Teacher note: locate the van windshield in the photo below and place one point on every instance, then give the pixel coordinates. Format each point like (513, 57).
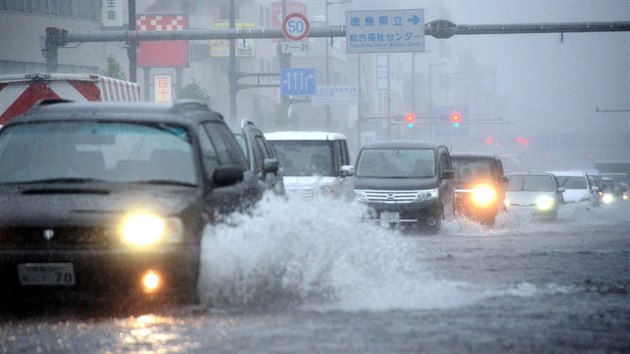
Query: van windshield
(305, 157)
(396, 163)
(106, 151)
(473, 169)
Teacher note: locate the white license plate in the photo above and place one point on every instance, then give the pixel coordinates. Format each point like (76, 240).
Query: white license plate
(46, 274)
(387, 216)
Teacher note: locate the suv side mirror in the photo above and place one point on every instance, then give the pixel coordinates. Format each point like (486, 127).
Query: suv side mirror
(227, 175)
(561, 189)
(270, 166)
(594, 189)
(448, 174)
(347, 170)
(503, 179)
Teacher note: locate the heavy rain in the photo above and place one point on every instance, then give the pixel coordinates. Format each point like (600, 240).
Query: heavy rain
(262, 229)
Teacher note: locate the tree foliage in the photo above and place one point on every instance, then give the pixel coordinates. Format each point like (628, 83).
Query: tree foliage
(194, 91)
(113, 70)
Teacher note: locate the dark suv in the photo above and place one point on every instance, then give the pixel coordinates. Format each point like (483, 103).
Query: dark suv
(261, 156)
(479, 186)
(113, 198)
(405, 182)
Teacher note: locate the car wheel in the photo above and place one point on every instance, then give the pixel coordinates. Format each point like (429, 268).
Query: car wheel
(433, 222)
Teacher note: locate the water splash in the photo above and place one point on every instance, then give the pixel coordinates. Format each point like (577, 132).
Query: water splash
(317, 255)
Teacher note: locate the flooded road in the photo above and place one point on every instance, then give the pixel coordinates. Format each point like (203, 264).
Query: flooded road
(309, 277)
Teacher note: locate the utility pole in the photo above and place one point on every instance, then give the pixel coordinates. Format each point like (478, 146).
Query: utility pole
(132, 48)
(232, 77)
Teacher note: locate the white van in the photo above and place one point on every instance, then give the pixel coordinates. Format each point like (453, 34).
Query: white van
(314, 163)
(577, 186)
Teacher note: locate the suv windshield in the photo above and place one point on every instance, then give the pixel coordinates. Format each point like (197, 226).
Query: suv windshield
(109, 151)
(396, 163)
(305, 158)
(472, 169)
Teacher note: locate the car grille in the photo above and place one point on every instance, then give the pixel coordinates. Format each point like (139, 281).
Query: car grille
(61, 237)
(407, 196)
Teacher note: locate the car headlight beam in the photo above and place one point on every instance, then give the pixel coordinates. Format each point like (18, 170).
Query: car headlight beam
(544, 203)
(484, 195)
(146, 229)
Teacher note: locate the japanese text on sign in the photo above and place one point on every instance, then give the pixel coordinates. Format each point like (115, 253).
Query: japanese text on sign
(385, 31)
(112, 15)
(163, 88)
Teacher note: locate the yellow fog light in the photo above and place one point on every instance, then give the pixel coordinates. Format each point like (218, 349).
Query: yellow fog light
(483, 195)
(144, 229)
(150, 281)
(544, 203)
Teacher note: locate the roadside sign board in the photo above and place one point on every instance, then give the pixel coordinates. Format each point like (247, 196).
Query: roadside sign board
(380, 31)
(336, 95)
(295, 26)
(221, 47)
(297, 82)
(295, 47)
(290, 7)
(162, 89)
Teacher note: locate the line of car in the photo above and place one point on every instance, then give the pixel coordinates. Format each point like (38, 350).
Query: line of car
(116, 197)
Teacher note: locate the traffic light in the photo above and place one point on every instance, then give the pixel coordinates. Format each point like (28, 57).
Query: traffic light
(456, 118)
(522, 141)
(489, 140)
(410, 118)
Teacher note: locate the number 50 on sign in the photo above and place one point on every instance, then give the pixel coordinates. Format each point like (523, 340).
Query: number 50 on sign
(295, 27)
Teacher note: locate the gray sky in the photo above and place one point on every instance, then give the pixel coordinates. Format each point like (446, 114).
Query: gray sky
(549, 83)
(549, 87)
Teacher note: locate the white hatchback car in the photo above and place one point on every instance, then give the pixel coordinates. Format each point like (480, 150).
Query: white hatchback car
(577, 186)
(537, 193)
(314, 163)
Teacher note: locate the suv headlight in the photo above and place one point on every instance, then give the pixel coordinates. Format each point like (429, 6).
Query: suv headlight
(428, 194)
(146, 229)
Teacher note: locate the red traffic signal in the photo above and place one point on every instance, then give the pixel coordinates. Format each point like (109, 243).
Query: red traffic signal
(456, 118)
(410, 118)
(522, 141)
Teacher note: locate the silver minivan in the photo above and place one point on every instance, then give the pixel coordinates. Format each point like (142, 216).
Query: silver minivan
(314, 163)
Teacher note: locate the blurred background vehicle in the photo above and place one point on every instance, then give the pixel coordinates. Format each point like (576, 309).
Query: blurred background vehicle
(260, 154)
(608, 188)
(577, 187)
(539, 194)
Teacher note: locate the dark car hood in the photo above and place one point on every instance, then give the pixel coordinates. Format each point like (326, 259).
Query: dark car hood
(395, 183)
(62, 204)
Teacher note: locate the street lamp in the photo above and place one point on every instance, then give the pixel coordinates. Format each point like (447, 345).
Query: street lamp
(328, 3)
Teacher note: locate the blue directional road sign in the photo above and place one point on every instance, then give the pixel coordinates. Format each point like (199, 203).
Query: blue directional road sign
(297, 82)
(383, 31)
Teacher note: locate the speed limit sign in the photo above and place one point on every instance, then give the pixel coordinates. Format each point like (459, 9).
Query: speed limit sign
(295, 27)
